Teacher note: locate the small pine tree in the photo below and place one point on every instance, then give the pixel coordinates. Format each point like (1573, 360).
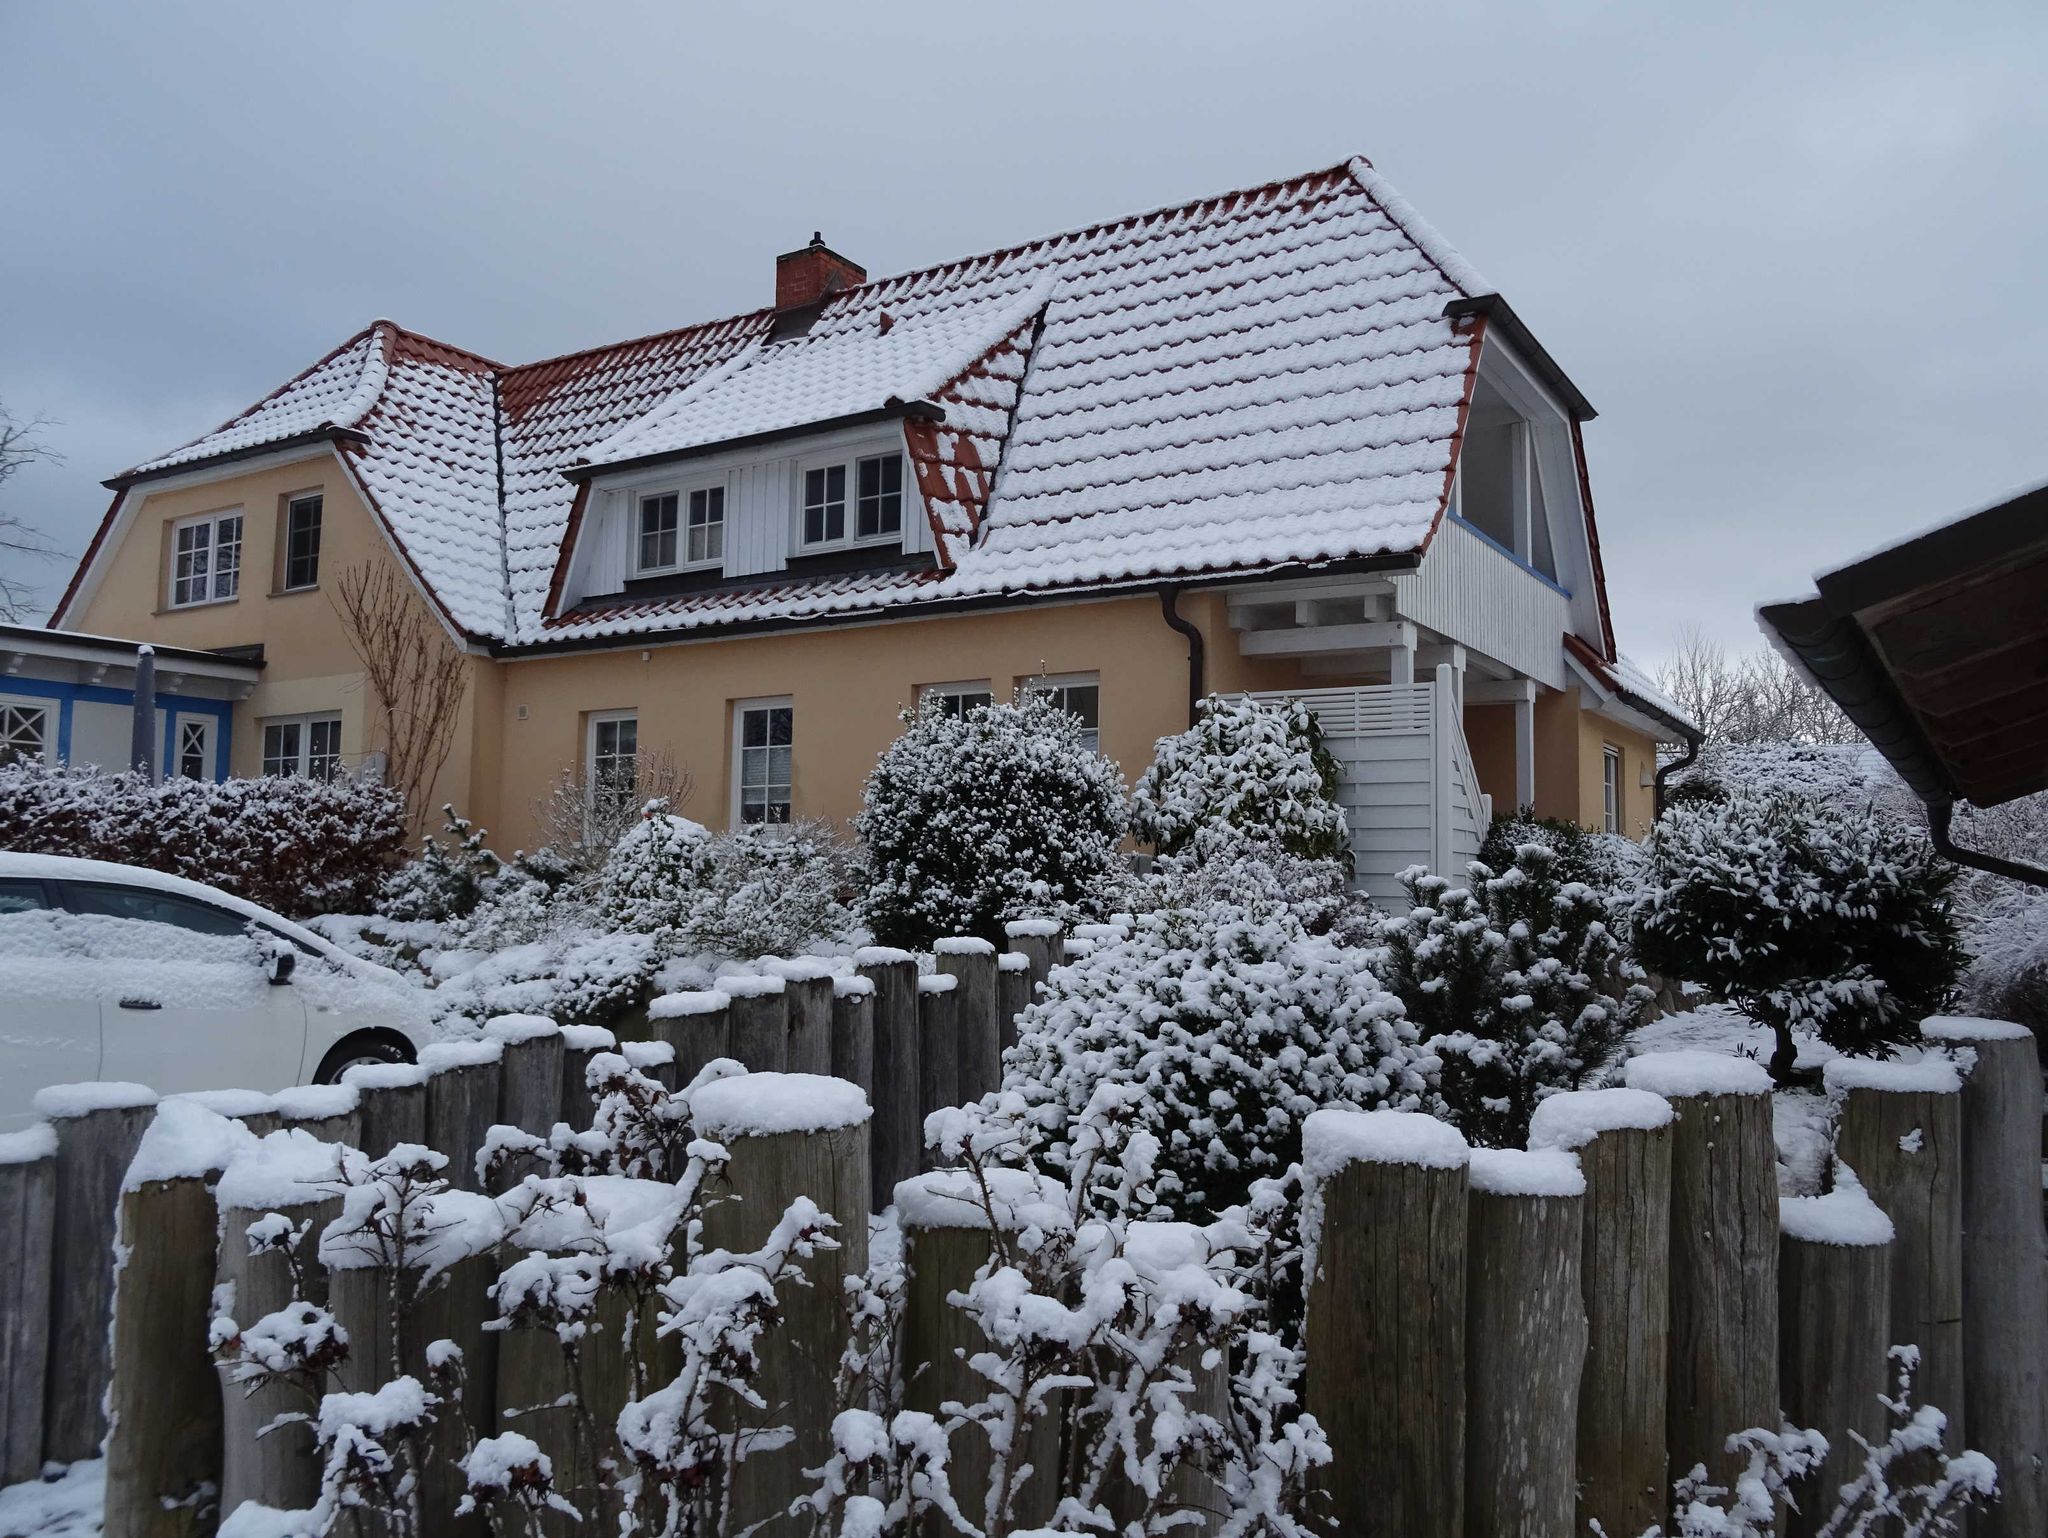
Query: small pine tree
(452, 875)
(1246, 764)
(1805, 914)
(645, 884)
(975, 818)
(1507, 977)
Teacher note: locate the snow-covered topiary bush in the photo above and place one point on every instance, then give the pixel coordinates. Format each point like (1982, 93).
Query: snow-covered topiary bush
(296, 845)
(1249, 765)
(975, 818)
(1226, 864)
(1232, 1023)
(1805, 915)
(1517, 983)
(646, 882)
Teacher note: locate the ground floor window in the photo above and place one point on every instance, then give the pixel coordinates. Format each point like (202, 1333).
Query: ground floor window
(958, 699)
(307, 745)
(764, 750)
(1080, 696)
(1610, 788)
(192, 748)
(25, 731)
(612, 767)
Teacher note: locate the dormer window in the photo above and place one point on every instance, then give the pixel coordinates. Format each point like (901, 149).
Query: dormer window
(681, 529)
(877, 482)
(1517, 442)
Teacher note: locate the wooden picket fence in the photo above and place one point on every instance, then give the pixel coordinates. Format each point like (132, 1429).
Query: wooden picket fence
(1497, 1342)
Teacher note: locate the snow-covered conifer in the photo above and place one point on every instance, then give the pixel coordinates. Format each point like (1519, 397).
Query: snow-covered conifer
(1249, 765)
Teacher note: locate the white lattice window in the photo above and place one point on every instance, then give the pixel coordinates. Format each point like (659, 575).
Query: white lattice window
(25, 732)
(206, 559)
(307, 745)
(764, 760)
(872, 483)
(192, 749)
(612, 759)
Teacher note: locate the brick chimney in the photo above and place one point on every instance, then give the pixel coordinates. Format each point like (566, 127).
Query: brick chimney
(806, 276)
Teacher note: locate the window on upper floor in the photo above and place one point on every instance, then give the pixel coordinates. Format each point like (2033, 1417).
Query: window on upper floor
(1501, 468)
(875, 482)
(681, 530)
(206, 559)
(302, 515)
(305, 745)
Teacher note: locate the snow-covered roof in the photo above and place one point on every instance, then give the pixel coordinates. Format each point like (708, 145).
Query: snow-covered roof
(1620, 676)
(1259, 380)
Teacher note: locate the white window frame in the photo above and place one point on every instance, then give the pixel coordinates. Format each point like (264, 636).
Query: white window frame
(1610, 787)
(593, 723)
(980, 690)
(302, 754)
(1057, 684)
(682, 491)
(209, 746)
(284, 565)
(212, 522)
(740, 710)
(849, 460)
(47, 709)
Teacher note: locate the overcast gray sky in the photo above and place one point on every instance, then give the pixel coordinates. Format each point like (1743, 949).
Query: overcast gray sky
(1791, 251)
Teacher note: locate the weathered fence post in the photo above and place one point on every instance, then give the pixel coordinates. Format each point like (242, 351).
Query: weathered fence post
(807, 989)
(1724, 1253)
(98, 1127)
(938, 1052)
(791, 1136)
(697, 1025)
(1901, 1131)
(1525, 1342)
(853, 1032)
(760, 1022)
(1040, 943)
(945, 1240)
(392, 1105)
(462, 1103)
(1623, 1140)
(28, 1202)
(330, 1112)
(1385, 1329)
(289, 1173)
(1834, 1307)
(164, 1436)
(896, 1137)
(2005, 1274)
(529, 1073)
(1013, 994)
(580, 1043)
(977, 1013)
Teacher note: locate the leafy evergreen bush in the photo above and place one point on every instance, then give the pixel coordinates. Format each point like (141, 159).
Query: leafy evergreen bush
(295, 845)
(975, 818)
(1508, 978)
(1245, 764)
(768, 890)
(1225, 864)
(1609, 863)
(646, 883)
(1806, 915)
(452, 874)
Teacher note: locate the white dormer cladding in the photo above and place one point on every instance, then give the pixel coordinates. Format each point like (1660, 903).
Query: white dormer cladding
(763, 487)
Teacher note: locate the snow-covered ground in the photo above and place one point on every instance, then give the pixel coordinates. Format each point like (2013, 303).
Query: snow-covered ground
(68, 1506)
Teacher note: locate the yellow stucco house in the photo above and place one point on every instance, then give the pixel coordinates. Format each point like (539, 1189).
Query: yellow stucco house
(1284, 440)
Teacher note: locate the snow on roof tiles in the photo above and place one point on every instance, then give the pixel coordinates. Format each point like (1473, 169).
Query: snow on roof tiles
(1261, 379)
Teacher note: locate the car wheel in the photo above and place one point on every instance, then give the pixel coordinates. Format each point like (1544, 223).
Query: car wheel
(365, 1047)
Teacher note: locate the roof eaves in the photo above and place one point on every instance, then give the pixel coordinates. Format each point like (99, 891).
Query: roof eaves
(330, 434)
(1516, 334)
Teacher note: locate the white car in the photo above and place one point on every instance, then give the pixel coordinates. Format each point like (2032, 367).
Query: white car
(115, 972)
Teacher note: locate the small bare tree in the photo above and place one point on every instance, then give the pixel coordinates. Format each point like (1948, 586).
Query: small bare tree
(581, 820)
(417, 676)
(1756, 697)
(18, 449)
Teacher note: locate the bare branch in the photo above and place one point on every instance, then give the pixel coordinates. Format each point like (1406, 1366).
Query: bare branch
(19, 448)
(417, 676)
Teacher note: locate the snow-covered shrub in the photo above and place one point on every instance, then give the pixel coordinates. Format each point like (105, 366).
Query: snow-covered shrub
(972, 819)
(448, 878)
(1226, 864)
(296, 845)
(645, 883)
(768, 890)
(1804, 915)
(576, 976)
(1244, 764)
(1610, 863)
(1516, 982)
(1230, 1023)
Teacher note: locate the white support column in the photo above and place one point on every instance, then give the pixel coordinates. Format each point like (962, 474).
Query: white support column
(1525, 746)
(1427, 657)
(1401, 659)
(1442, 723)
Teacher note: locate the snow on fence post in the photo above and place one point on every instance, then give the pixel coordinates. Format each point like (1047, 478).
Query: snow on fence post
(529, 1073)
(853, 1033)
(28, 1202)
(1834, 1307)
(1623, 1140)
(1384, 1222)
(98, 1127)
(807, 989)
(2005, 1277)
(462, 1103)
(164, 1440)
(1013, 994)
(580, 1043)
(938, 1052)
(791, 1135)
(760, 1023)
(391, 1105)
(655, 1059)
(1525, 1341)
(896, 1138)
(289, 1173)
(698, 1025)
(1724, 1253)
(1042, 944)
(945, 1241)
(330, 1112)
(1901, 1131)
(976, 1008)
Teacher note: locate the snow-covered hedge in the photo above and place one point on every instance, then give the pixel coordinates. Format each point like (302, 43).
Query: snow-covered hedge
(1803, 914)
(298, 846)
(1246, 764)
(976, 818)
(1610, 863)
